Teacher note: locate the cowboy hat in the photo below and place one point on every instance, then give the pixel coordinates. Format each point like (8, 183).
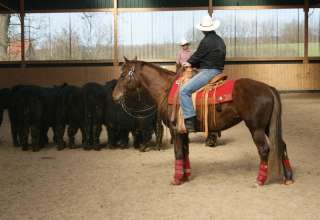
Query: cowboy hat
(184, 42)
(208, 24)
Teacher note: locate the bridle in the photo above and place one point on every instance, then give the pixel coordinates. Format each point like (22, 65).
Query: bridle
(146, 112)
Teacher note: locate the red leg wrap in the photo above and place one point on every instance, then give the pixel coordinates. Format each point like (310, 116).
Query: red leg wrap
(262, 175)
(186, 166)
(286, 164)
(178, 174)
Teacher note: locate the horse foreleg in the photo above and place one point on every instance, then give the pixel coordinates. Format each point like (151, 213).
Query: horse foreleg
(179, 159)
(186, 161)
(263, 150)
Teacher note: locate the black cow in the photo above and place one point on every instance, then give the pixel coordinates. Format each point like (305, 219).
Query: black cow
(26, 112)
(13, 114)
(147, 122)
(70, 111)
(49, 100)
(4, 101)
(1, 114)
(94, 96)
(120, 123)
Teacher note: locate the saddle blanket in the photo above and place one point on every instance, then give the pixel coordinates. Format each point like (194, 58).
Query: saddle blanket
(222, 92)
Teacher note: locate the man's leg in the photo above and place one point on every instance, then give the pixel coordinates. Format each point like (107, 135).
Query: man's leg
(195, 83)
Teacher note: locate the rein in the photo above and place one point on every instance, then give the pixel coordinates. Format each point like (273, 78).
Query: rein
(136, 113)
(139, 113)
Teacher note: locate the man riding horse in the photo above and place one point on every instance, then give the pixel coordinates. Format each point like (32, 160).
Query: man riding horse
(255, 103)
(209, 57)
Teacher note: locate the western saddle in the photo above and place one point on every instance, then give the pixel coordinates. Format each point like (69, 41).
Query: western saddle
(186, 75)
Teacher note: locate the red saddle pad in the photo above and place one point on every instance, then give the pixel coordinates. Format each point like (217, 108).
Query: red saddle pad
(223, 93)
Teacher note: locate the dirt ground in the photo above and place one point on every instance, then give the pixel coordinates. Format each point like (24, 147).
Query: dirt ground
(127, 184)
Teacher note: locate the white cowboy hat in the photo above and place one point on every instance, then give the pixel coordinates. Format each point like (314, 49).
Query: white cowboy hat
(184, 42)
(208, 24)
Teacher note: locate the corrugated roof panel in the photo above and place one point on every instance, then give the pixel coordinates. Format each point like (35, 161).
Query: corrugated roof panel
(161, 3)
(11, 4)
(96, 4)
(190, 3)
(314, 2)
(257, 2)
(66, 4)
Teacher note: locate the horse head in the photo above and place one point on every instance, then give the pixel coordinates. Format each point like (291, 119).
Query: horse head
(129, 79)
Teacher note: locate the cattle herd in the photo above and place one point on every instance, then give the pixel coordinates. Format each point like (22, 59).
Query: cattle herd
(33, 110)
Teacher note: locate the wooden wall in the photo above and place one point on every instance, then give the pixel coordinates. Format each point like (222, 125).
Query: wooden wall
(284, 76)
(47, 76)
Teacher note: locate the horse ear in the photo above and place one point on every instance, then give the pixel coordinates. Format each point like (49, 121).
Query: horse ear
(125, 59)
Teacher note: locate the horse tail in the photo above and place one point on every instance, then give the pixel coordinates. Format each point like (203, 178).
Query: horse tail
(276, 145)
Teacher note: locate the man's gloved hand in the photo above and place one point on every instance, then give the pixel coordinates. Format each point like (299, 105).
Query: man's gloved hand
(186, 64)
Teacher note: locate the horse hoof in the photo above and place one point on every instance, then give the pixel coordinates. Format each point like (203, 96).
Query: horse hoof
(287, 182)
(210, 143)
(185, 179)
(175, 182)
(260, 183)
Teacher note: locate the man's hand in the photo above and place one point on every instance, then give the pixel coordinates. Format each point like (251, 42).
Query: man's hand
(186, 64)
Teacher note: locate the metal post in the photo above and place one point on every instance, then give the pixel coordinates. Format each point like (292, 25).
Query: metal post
(115, 33)
(22, 14)
(70, 38)
(210, 9)
(306, 32)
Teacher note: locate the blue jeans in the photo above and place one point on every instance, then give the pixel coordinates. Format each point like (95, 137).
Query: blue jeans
(195, 83)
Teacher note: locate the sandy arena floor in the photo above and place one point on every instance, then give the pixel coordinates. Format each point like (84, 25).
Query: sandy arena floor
(127, 184)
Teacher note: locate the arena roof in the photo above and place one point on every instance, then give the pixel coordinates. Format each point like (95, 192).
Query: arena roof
(47, 5)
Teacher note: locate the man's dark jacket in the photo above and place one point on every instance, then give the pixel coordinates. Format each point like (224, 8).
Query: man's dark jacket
(211, 53)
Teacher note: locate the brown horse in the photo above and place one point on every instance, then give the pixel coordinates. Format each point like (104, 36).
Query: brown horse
(255, 103)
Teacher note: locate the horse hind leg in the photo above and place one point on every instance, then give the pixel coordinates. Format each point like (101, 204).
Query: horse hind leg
(287, 170)
(159, 134)
(260, 141)
(211, 140)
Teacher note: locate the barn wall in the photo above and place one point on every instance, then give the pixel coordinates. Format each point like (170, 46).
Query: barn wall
(282, 76)
(48, 76)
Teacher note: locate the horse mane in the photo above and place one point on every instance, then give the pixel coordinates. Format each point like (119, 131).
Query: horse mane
(158, 68)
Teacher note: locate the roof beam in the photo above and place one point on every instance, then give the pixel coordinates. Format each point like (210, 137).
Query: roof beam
(210, 10)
